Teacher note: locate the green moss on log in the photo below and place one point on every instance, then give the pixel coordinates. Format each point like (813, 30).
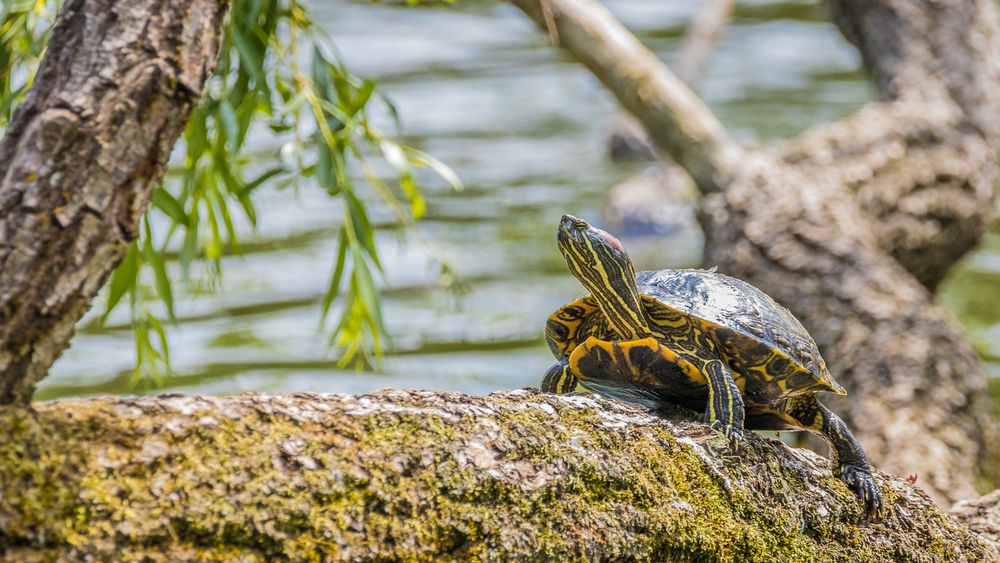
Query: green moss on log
(419, 475)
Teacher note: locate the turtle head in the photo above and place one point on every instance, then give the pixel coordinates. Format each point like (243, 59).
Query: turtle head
(601, 264)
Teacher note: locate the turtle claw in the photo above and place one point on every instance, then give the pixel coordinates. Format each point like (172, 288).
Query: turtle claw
(860, 481)
(731, 432)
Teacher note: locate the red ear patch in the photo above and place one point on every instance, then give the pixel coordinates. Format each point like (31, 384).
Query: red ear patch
(615, 243)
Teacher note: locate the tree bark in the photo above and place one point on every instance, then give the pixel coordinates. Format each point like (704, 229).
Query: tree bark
(415, 475)
(850, 224)
(81, 158)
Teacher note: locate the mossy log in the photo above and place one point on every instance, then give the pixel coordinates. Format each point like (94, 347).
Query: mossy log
(415, 475)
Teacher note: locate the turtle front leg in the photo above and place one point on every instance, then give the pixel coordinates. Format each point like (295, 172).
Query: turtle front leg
(559, 378)
(849, 462)
(725, 411)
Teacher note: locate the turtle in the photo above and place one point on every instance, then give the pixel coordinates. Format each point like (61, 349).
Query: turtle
(699, 339)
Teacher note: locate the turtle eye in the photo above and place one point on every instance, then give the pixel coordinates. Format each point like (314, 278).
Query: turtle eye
(580, 225)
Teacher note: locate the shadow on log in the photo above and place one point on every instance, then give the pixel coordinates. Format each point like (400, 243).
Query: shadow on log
(412, 474)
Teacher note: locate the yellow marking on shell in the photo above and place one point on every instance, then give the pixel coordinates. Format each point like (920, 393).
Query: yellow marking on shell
(690, 370)
(574, 358)
(664, 318)
(781, 383)
(585, 348)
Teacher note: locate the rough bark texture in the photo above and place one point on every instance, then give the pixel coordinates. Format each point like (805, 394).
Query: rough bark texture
(850, 224)
(852, 236)
(80, 160)
(407, 475)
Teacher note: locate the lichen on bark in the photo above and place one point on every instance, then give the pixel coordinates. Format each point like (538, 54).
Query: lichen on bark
(417, 475)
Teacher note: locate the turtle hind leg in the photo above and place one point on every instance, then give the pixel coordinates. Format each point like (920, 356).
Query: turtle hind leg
(638, 371)
(559, 378)
(613, 369)
(849, 462)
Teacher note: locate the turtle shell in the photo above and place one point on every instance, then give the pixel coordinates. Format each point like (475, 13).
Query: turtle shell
(762, 341)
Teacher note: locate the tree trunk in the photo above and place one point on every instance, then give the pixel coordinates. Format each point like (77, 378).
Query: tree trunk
(413, 475)
(851, 224)
(81, 159)
(922, 161)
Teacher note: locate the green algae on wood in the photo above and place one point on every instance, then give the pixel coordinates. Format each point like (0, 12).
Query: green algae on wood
(415, 475)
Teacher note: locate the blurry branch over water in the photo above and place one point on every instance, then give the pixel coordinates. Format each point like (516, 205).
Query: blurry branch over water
(685, 127)
(852, 224)
(638, 201)
(277, 73)
(629, 141)
(700, 38)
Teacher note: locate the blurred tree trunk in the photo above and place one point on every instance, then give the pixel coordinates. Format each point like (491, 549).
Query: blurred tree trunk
(852, 224)
(81, 159)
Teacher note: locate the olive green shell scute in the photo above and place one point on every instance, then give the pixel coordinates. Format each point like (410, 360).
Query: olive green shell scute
(734, 304)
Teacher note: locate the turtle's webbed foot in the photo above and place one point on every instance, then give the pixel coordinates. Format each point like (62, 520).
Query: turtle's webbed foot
(860, 481)
(732, 432)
